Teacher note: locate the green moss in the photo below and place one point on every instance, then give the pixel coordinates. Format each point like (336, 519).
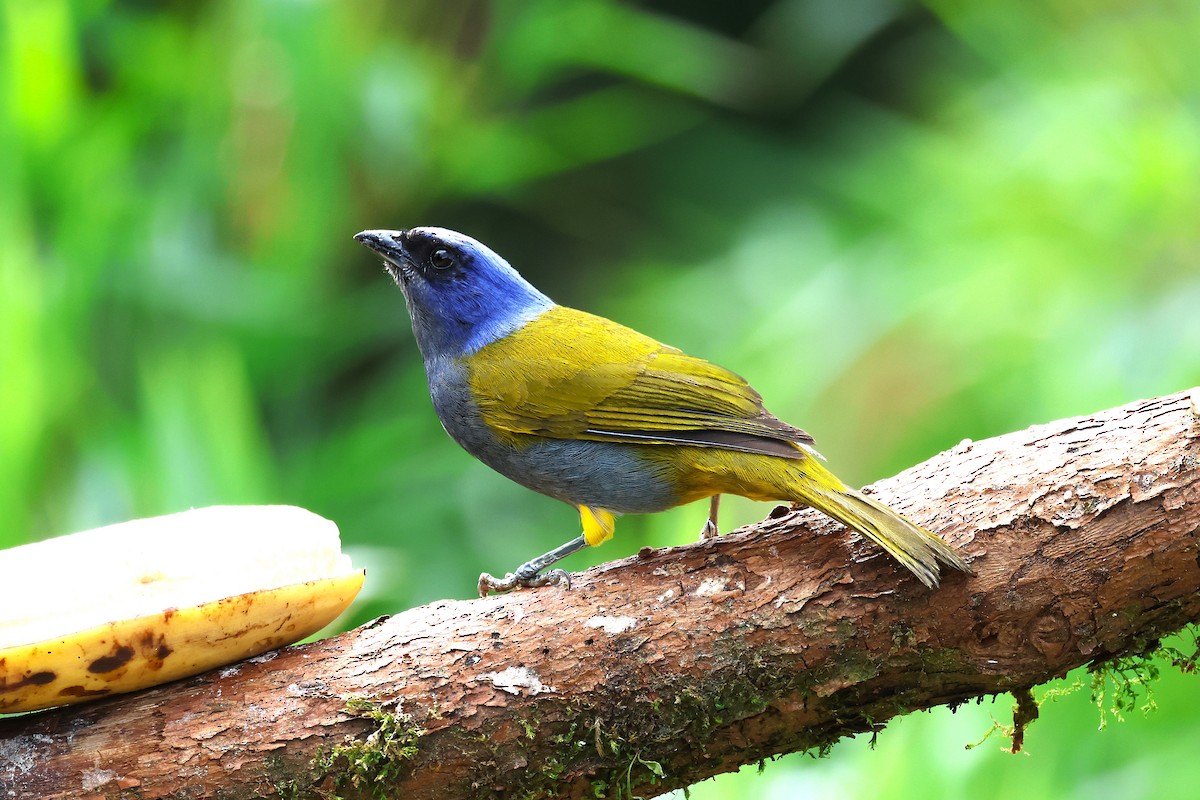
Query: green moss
(611, 753)
(1184, 662)
(938, 660)
(1118, 686)
(373, 764)
(529, 727)
(1121, 685)
(611, 757)
(903, 636)
(997, 727)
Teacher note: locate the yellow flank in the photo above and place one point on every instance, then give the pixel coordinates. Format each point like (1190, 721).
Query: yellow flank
(573, 375)
(700, 472)
(129, 654)
(598, 525)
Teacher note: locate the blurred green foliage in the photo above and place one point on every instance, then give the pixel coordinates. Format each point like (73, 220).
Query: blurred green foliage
(906, 224)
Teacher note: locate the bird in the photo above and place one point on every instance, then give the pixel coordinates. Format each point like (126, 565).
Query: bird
(609, 420)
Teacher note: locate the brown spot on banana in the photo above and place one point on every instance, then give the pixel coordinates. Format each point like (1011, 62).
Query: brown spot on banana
(79, 691)
(117, 659)
(36, 679)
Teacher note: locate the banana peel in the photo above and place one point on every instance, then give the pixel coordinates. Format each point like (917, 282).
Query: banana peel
(141, 603)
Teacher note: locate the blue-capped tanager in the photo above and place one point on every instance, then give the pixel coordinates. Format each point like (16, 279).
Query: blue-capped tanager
(600, 416)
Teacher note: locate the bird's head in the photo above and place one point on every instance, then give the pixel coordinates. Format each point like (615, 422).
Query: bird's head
(461, 295)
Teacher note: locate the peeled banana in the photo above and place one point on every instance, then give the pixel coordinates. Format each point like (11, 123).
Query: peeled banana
(141, 603)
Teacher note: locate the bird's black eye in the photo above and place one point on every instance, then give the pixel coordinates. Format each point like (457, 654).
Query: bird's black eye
(441, 259)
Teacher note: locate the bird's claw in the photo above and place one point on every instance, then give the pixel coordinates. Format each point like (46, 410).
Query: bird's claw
(709, 531)
(555, 577)
(489, 583)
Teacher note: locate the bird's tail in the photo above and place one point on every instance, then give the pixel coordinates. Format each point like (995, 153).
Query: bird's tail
(910, 544)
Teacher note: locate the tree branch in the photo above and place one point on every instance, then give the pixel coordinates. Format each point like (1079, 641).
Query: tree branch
(660, 670)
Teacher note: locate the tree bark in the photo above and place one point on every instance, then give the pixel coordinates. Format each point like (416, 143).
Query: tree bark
(663, 669)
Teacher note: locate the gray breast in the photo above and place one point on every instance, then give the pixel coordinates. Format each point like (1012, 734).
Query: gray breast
(606, 475)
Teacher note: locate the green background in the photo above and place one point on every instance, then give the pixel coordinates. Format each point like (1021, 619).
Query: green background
(906, 224)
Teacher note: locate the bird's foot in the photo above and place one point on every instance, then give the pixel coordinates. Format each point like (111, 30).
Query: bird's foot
(520, 580)
(530, 575)
(709, 531)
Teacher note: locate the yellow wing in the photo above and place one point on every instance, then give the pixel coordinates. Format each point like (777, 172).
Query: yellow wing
(573, 375)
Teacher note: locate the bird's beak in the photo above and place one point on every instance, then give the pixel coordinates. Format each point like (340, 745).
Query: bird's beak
(390, 245)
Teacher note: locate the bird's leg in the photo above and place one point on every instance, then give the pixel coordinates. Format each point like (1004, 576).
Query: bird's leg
(598, 525)
(527, 575)
(709, 531)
